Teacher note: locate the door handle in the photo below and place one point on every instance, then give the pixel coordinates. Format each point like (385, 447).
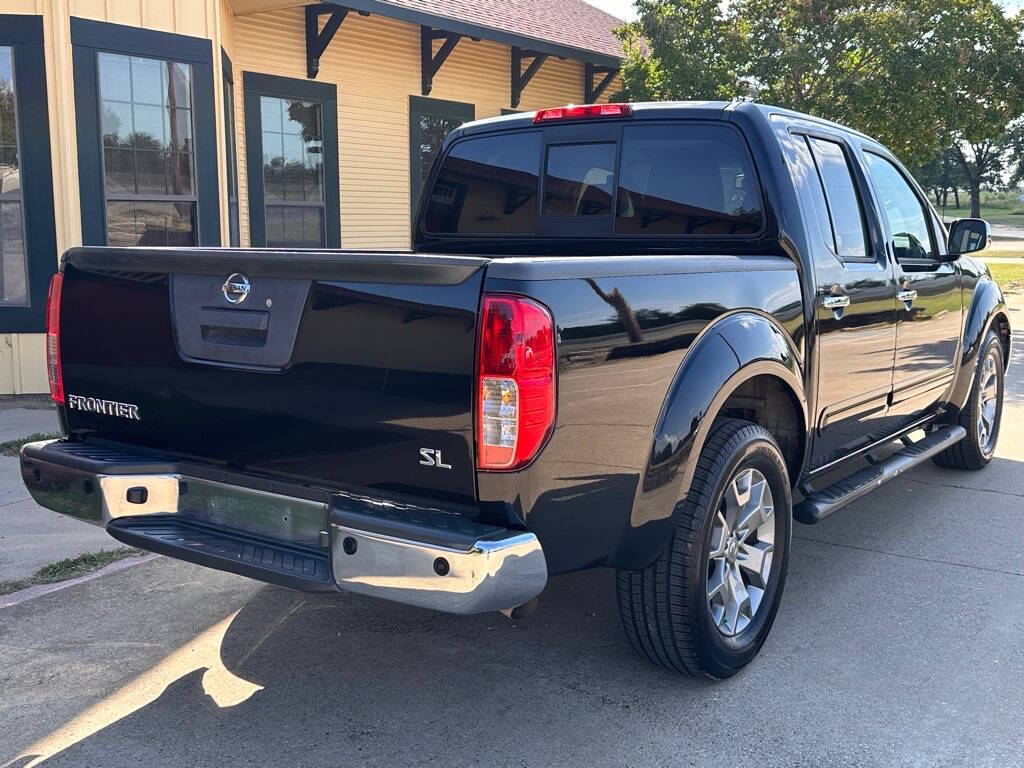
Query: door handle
(835, 302)
(907, 296)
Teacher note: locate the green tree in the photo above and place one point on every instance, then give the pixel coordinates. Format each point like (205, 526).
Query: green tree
(985, 93)
(1015, 140)
(682, 50)
(853, 62)
(941, 176)
(920, 75)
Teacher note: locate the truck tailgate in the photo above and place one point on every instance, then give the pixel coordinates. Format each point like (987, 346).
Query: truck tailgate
(333, 369)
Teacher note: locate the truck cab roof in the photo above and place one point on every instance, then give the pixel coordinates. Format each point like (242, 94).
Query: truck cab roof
(708, 110)
(661, 110)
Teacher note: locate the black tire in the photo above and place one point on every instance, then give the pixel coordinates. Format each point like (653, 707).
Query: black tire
(970, 453)
(665, 609)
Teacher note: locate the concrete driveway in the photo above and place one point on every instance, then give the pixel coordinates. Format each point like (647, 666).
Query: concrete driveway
(900, 642)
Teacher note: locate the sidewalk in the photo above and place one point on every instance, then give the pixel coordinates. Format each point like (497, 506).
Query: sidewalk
(1004, 238)
(30, 536)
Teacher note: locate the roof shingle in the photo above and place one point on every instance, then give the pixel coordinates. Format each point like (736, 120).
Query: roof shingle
(571, 23)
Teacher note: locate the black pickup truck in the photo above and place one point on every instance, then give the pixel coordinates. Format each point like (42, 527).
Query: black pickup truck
(627, 336)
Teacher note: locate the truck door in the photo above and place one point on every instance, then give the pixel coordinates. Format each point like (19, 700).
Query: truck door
(928, 300)
(855, 299)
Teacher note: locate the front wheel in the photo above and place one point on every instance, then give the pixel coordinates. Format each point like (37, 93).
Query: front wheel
(707, 604)
(982, 413)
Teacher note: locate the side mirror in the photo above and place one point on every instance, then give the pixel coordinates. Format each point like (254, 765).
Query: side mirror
(969, 236)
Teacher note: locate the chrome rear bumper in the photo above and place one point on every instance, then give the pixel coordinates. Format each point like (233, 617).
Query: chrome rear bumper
(422, 556)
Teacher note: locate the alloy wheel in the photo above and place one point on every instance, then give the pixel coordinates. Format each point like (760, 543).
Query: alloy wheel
(740, 556)
(988, 403)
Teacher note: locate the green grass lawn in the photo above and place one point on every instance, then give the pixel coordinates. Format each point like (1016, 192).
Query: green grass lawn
(13, 447)
(1000, 216)
(1009, 276)
(69, 569)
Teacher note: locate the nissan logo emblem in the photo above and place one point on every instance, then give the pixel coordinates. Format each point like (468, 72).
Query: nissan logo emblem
(236, 288)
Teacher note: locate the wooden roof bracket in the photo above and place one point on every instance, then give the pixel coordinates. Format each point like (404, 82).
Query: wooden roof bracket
(520, 78)
(430, 62)
(591, 92)
(317, 40)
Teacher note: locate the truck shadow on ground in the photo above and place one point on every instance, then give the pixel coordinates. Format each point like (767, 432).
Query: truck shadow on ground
(301, 680)
(344, 679)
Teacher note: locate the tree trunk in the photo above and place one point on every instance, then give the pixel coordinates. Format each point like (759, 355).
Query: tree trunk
(956, 196)
(975, 199)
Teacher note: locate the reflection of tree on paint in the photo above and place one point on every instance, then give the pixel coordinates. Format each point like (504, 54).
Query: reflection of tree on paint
(616, 300)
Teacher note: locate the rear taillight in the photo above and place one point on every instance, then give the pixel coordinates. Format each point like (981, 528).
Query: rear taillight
(515, 381)
(53, 371)
(582, 112)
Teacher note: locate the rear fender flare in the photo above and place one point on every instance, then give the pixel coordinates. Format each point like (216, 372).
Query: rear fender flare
(731, 351)
(986, 302)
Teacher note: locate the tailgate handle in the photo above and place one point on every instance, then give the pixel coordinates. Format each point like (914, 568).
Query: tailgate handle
(240, 319)
(234, 327)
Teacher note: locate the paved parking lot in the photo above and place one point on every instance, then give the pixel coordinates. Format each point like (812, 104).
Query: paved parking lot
(31, 538)
(899, 642)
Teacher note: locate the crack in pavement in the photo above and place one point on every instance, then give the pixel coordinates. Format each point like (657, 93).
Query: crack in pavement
(910, 557)
(966, 487)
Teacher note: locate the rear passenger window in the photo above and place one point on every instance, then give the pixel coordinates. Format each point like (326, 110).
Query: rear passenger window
(686, 180)
(578, 179)
(487, 186)
(845, 213)
(809, 170)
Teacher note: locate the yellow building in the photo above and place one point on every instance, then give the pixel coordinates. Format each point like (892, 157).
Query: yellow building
(250, 122)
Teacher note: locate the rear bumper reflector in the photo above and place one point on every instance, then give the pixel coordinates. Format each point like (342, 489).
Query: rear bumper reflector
(422, 556)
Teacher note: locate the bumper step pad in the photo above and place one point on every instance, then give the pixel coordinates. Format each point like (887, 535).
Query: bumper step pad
(272, 562)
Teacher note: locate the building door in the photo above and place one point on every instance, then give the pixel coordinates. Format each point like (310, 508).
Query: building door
(929, 303)
(28, 248)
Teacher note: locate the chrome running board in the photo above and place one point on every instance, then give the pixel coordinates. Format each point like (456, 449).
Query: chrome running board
(818, 505)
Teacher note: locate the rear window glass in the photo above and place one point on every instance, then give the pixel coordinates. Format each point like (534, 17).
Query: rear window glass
(809, 169)
(686, 180)
(843, 200)
(487, 186)
(578, 179)
(677, 179)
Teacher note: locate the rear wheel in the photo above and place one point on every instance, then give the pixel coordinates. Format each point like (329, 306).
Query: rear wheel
(982, 413)
(707, 604)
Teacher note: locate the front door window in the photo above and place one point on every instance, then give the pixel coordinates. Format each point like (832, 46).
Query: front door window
(910, 235)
